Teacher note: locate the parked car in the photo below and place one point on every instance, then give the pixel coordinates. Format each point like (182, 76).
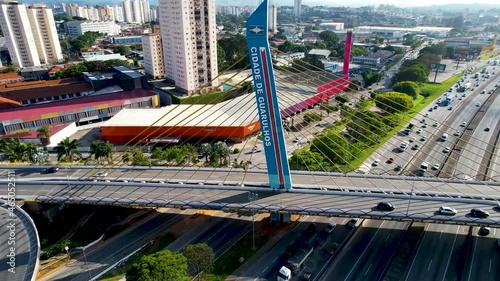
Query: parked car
(52, 170)
(311, 228)
(385, 206)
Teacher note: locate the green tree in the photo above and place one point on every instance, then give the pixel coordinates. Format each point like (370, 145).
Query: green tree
(412, 73)
(139, 158)
(370, 77)
(120, 49)
(17, 151)
(126, 158)
(222, 150)
(43, 134)
(394, 102)
(206, 149)
(221, 58)
(367, 127)
(101, 150)
(330, 38)
(333, 146)
(200, 257)
(67, 150)
(310, 117)
(307, 161)
(160, 266)
(329, 108)
(407, 87)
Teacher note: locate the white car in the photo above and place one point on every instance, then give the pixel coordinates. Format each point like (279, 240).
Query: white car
(256, 149)
(412, 139)
(448, 211)
(102, 174)
(436, 166)
(435, 124)
(419, 131)
(446, 149)
(457, 134)
(297, 139)
(376, 162)
(478, 104)
(463, 124)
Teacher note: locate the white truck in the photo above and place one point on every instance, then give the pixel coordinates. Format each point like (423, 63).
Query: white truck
(295, 262)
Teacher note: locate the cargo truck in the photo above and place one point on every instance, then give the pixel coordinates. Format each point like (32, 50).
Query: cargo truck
(295, 262)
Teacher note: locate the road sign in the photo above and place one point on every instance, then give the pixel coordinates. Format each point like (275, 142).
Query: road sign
(437, 66)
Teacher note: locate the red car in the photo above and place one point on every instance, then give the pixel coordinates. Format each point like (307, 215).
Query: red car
(390, 161)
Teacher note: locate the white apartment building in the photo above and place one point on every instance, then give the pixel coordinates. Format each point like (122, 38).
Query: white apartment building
(188, 29)
(77, 28)
(272, 16)
(297, 7)
(30, 34)
(45, 33)
(154, 64)
(137, 11)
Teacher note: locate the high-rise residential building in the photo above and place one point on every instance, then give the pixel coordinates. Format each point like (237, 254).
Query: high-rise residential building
(78, 28)
(127, 11)
(30, 34)
(297, 7)
(45, 33)
(272, 16)
(188, 29)
(154, 64)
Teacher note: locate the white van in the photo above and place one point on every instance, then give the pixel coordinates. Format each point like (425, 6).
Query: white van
(444, 137)
(424, 166)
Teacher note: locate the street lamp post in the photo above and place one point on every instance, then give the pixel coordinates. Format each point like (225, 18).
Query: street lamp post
(252, 197)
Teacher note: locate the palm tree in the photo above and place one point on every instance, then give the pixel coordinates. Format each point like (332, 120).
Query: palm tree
(16, 150)
(43, 133)
(67, 150)
(101, 149)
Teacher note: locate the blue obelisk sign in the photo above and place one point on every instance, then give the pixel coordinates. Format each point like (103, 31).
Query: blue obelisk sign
(271, 126)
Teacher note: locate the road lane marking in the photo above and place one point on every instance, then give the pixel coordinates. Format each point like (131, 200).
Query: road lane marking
(418, 250)
(429, 267)
(473, 254)
(387, 237)
(276, 258)
(451, 252)
(368, 269)
(489, 267)
(265, 269)
(441, 233)
(367, 246)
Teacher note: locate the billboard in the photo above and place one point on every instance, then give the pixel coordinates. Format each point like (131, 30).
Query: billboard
(271, 127)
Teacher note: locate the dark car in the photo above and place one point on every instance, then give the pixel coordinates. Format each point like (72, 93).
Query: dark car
(385, 206)
(397, 168)
(484, 231)
(311, 228)
(52, 170)
(352, 223)
(331, 248)
(487, 129)
(307, 276)
(480, 213)
(291, 250)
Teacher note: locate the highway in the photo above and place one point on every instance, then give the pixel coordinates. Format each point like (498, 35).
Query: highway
(368, 253)
(436, 257)
(470, 144)
(111, 251)
(484, 257)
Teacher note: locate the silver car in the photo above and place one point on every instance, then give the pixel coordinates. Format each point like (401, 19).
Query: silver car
(448, 211)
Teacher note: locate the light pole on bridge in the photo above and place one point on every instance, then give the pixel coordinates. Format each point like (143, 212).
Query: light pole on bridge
(252, 197)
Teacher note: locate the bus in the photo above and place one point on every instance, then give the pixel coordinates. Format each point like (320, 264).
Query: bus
(464, 87)
(448, 100)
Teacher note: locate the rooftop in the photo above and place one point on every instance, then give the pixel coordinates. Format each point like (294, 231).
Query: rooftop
(43, 88)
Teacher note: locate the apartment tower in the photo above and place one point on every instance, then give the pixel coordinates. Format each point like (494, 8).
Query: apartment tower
(30, 34)
(188, 32)
(297, 7)
(154, 64)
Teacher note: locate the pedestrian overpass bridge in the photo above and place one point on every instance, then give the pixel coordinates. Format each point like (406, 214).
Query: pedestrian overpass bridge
(331, 194)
